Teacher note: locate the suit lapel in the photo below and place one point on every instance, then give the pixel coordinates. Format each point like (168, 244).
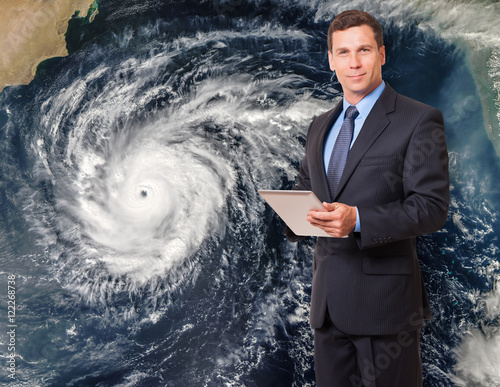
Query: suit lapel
(374, 125)
(320, 149)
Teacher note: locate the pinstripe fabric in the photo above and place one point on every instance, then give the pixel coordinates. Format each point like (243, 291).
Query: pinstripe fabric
(366, 361)
(341, 149)
(397, 176)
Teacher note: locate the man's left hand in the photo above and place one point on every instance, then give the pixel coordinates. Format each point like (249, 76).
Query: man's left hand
(338, 220)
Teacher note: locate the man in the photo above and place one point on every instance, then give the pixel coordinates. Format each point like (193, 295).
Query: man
(368, 299)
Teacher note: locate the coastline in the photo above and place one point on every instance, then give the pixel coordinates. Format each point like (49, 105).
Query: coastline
(480, 42)
(33, 31)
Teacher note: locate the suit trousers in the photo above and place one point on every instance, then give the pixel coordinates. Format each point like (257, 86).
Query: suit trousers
(343, 360)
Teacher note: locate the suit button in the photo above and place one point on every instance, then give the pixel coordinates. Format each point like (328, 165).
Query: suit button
(389, 239)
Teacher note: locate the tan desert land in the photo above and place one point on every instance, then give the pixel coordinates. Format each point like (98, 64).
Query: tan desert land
(32, 31)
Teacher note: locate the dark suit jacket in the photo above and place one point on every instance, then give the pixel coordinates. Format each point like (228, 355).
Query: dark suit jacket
(397, 175)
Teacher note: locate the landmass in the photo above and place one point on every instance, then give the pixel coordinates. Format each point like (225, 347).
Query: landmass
(32, 31)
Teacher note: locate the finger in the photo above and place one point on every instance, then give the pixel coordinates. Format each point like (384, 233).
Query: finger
(318, 216)
(327, 226)
(330, 206)
(323, 215)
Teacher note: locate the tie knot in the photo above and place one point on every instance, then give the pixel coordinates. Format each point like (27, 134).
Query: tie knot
(351, 112)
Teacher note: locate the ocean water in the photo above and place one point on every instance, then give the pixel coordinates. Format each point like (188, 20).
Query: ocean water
(142, 253)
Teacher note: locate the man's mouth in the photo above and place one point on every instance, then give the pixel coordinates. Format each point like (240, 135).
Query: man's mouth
(356, 76)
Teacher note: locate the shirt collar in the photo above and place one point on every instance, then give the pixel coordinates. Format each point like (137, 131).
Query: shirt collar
(365, 105)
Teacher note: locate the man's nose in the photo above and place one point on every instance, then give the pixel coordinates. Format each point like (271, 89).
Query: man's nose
(354, 61)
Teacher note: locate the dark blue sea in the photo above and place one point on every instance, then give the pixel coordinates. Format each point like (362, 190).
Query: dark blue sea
(141, 252)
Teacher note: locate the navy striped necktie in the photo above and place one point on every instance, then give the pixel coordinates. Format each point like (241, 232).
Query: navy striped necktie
(340, 150)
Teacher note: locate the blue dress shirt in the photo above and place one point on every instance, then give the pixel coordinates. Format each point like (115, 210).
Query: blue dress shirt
(364, 107)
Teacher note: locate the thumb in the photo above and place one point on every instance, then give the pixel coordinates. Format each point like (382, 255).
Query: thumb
(330, 206)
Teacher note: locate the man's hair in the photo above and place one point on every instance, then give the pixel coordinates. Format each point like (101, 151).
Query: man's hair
(355, 18)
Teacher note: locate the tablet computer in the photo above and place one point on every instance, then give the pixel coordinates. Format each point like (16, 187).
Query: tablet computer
(293, 207)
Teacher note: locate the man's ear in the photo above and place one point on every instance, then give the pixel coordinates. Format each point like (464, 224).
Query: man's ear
(330, 61)
(382, 55)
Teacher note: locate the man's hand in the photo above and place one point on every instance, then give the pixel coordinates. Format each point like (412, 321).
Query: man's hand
(338, 220)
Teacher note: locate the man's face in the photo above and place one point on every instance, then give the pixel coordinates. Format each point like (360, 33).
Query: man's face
(357, 61)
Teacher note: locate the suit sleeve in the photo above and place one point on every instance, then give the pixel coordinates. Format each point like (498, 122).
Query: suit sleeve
(423, 179)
